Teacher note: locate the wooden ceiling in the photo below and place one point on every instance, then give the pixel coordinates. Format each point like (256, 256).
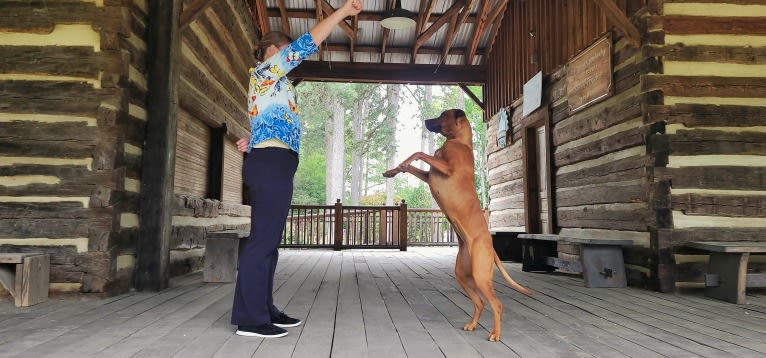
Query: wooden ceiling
(448, 45)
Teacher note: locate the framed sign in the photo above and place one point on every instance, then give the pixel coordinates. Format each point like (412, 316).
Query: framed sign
(533, 94)
(589, 75)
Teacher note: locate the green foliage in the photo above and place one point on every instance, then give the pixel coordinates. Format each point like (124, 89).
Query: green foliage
(309, 186)
(415, 196)
(378, 139)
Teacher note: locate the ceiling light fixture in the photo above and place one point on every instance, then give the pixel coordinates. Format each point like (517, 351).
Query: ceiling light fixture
(397, 18)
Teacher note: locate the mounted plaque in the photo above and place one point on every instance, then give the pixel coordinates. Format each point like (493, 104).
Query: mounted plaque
(533, 94)
(589, 75)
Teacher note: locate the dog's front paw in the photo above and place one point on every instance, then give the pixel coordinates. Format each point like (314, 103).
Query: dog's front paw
(391, 172)
(470, 326)
(494, 337)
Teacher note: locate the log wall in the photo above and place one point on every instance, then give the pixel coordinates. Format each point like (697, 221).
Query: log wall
(709, 176)
(72, 123)
(599, 158)
(676, 154)
(67, 129)
(216, 53)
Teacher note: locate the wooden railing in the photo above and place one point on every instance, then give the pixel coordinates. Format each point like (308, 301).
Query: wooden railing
(349, 227)
(429, 227)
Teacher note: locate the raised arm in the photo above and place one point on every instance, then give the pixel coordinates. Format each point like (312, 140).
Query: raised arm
(321, 30)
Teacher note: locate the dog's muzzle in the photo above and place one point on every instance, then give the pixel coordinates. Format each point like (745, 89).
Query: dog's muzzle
(434, 125)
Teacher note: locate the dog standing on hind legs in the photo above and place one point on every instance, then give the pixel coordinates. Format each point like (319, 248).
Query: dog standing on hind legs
(451, 180)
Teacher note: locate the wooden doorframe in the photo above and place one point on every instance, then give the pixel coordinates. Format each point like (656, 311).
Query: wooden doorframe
(537, 119)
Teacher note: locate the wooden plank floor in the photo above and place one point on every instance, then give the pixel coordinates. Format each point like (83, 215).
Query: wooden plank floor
(389, 304)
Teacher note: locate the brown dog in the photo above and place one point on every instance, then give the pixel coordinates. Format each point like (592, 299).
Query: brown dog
(451, 179)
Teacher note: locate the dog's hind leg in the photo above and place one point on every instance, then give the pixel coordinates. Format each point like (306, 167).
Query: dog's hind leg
(465, 279)
(482, 275)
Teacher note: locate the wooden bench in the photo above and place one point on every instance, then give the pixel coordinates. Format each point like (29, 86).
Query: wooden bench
(222, 250)
(727, 275)
(26, 276)
(601, 262)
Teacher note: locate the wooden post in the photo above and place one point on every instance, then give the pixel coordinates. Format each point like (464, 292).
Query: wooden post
(158, 166)
(382, 226)
(338, 244)
(403, 226)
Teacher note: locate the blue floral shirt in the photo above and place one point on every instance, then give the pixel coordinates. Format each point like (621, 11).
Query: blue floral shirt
(271, 97)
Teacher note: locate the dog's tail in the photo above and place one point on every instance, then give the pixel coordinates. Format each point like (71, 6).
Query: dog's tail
(515, 285)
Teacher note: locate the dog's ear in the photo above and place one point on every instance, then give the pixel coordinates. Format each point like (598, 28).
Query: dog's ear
(459, 113)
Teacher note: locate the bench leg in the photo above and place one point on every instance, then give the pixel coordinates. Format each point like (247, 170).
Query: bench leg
(221, 259)
(8, 277)
(731, 269)
(33, 281)
(535, 254)
(603, 266)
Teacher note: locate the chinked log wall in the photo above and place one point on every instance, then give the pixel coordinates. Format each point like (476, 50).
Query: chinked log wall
(72, 126)
(216, 51)
(710, 160)
(599, 154)
(67, 129)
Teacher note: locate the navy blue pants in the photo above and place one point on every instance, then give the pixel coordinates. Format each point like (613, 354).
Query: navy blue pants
(268, 173)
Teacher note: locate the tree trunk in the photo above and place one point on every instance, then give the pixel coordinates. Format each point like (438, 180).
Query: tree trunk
(334, 129)
(393, 100)
(356, 152)
(429, 136)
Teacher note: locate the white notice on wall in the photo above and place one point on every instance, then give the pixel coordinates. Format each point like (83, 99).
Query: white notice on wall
(533, 93)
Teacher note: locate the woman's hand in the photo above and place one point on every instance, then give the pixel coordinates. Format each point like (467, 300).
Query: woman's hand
(321, 30)
(352, 7)
(242, 144)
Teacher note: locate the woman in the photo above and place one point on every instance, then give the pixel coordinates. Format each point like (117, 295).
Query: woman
(269, 169)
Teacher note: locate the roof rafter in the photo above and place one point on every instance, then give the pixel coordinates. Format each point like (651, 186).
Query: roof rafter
(423, 15)
(455, 23)
(386, 33)
(479, 30)
(319, 17)
(192, 12)
(283, 16)
(618, 17)
(352, 41)
(261, 16)
(427, 34)
(329, 10)
(496, 21)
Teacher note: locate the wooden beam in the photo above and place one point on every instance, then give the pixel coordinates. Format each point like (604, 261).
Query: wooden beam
(423, 14)
(329, 10)
(386, 32)
(262, 16)
(478, 32)
(283, 16)
(450, 36)
(363, 16)
(496, 21)
(454, 26)
(473, 96)
(618, 17)
(427, 50)
(319, 17)
(352, 40)
(158, 161)
(425, 35)
(192, 12)
(370, 72)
